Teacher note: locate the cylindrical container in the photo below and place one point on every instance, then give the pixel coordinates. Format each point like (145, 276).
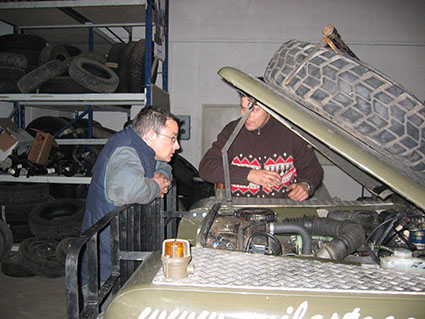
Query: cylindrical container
(417, 237)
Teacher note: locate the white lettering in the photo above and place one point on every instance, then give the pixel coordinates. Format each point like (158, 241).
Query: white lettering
(301, 310)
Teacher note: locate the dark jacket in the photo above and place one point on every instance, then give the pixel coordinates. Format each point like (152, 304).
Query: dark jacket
(97, 204)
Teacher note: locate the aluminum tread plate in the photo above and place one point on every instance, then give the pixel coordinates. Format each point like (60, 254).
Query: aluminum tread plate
(237, 270)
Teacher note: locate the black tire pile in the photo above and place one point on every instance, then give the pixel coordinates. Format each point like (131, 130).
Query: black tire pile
(53, 224)
(29, 65)
(17, 200)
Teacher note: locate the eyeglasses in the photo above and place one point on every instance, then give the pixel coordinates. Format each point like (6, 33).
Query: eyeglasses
(172, 138)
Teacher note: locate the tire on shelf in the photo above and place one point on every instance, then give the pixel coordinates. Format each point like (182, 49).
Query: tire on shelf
(13, 59)
(11, 266)
(356, 97)
(93, 55)
(72, 50)
(57, 219)
(113, 61)
(52, 52)
(63, 84)
(39, 257)
(23, 193)
(137, 67)
(124, 68)
(7, 86)
(114, 55)
(32, 56)
(21, 42)
(11, 73)
(36, 77)
(93, 75)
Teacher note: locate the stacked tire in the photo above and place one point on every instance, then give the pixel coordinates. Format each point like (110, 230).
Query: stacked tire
(54, 224)
(17, 200)
(127, 60)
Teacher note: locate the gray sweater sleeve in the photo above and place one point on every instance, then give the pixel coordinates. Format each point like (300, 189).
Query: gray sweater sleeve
(164, 169)
(125, 179)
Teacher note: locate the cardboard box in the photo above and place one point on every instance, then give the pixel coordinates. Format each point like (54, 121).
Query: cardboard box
(12, 137)
(41, 147)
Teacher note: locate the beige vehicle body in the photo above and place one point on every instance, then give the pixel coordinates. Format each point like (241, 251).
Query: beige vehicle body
(229, 282)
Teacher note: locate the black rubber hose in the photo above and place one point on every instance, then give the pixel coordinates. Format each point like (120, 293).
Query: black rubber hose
(348, 236)
(293, 228)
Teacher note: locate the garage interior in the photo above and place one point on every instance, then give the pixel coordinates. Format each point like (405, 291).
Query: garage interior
(205, 36)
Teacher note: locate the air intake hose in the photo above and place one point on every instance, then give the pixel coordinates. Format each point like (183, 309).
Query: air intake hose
(293, 228)
(347, 236)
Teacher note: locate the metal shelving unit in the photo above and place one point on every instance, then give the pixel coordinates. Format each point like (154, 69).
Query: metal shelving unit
(89, 25)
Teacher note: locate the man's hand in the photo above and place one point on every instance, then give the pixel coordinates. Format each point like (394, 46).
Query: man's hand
(265, 178)
(163, 183)
(298, 192)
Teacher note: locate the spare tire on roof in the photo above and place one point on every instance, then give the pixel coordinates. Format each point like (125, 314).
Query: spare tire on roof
(356, 97)
(93, 75)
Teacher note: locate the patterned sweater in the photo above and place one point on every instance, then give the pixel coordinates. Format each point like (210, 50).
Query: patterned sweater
(273, 147)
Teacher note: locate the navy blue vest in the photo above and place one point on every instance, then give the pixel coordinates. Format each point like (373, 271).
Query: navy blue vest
(97, 204)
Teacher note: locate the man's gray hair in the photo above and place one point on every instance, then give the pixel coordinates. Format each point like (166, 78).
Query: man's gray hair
(151, 118)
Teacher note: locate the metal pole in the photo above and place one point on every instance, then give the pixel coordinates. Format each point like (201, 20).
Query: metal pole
(148, 51)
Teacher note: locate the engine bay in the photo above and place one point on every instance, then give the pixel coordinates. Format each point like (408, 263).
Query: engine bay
(363, 236)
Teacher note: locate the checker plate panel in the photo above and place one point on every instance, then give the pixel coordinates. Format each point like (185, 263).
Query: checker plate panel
(229, 269)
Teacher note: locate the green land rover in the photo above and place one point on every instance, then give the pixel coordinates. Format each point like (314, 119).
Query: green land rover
(321, 258)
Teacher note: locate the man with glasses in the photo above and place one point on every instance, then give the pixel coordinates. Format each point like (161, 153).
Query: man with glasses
(266, 160)
(132, 168)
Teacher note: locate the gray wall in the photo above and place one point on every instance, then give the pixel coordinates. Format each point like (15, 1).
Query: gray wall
(206, 35)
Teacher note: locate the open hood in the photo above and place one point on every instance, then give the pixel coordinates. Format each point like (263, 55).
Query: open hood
(361, 162)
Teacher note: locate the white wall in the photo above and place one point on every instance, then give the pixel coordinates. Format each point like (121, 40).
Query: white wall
(207, 35)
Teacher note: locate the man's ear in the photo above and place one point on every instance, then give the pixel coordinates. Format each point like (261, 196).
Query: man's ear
(149, 136)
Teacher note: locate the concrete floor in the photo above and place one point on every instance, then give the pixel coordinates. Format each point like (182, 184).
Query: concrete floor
(32, 298)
